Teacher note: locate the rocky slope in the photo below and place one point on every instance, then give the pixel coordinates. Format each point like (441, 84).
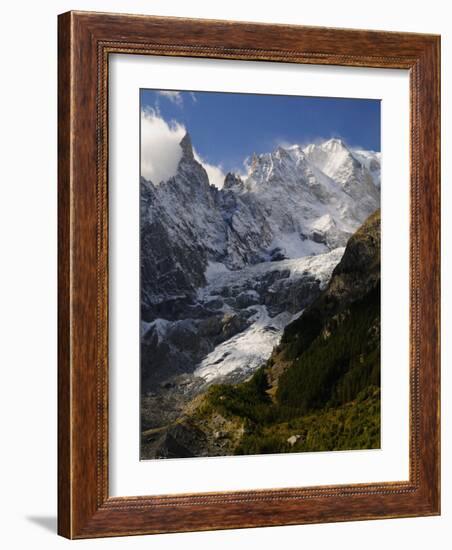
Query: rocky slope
(238, 319)
(341, 329)
(262, 298)
(320, 388)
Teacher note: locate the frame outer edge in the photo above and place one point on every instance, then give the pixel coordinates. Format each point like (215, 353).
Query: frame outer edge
(427, 235)
(64, 277)
(438, 146)
(82, 511)
(433, 175)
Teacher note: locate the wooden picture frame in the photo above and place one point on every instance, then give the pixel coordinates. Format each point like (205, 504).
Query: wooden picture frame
(85, 42)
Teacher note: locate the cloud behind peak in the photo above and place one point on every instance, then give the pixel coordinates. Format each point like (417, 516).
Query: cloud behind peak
(161, 150)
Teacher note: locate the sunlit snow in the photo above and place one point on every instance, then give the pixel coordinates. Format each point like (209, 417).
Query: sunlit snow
(247, 350)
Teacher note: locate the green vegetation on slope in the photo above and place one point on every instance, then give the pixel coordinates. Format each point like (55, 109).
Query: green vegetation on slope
(355, 425)
(329, 397)
(340, 362)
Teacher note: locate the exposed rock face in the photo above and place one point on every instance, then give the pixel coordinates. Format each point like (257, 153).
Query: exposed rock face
(351, 299)
(245, 308)
(191, 437)
(176, 237)
(287, 207)
(356, 274)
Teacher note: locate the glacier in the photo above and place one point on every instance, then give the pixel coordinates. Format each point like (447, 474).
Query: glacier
(244, 352)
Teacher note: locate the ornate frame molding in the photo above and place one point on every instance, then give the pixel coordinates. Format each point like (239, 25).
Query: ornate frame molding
(85, 42)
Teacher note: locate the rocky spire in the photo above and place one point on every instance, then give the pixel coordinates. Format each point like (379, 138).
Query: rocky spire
(232, 180)
(187, 147)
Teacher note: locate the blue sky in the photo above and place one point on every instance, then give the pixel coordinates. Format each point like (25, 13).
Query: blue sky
(227, 127)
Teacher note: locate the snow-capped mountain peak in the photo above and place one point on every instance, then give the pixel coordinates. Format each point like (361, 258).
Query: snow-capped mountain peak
(334, 145)
(331, 157)
(294, 201)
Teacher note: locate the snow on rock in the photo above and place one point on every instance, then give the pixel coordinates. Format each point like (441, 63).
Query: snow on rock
(319, 266)
(329, 157)
(214, 269)
(291, 245)
(240, 355)
(246, 351)
(157, 328)
(372, 161)
(293, 202)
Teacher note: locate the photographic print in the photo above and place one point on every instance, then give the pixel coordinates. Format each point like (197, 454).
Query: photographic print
(259, 274)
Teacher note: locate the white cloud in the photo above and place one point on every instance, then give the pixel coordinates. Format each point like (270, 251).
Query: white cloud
(174, 97)
(215, 173)
(160, 150)
(161, 153)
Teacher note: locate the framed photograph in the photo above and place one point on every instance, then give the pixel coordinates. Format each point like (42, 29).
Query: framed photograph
(249, 260)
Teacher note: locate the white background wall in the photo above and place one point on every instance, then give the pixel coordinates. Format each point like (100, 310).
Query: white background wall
(28, 270)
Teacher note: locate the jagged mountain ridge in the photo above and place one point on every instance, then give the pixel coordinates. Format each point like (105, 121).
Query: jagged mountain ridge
(294, 202)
